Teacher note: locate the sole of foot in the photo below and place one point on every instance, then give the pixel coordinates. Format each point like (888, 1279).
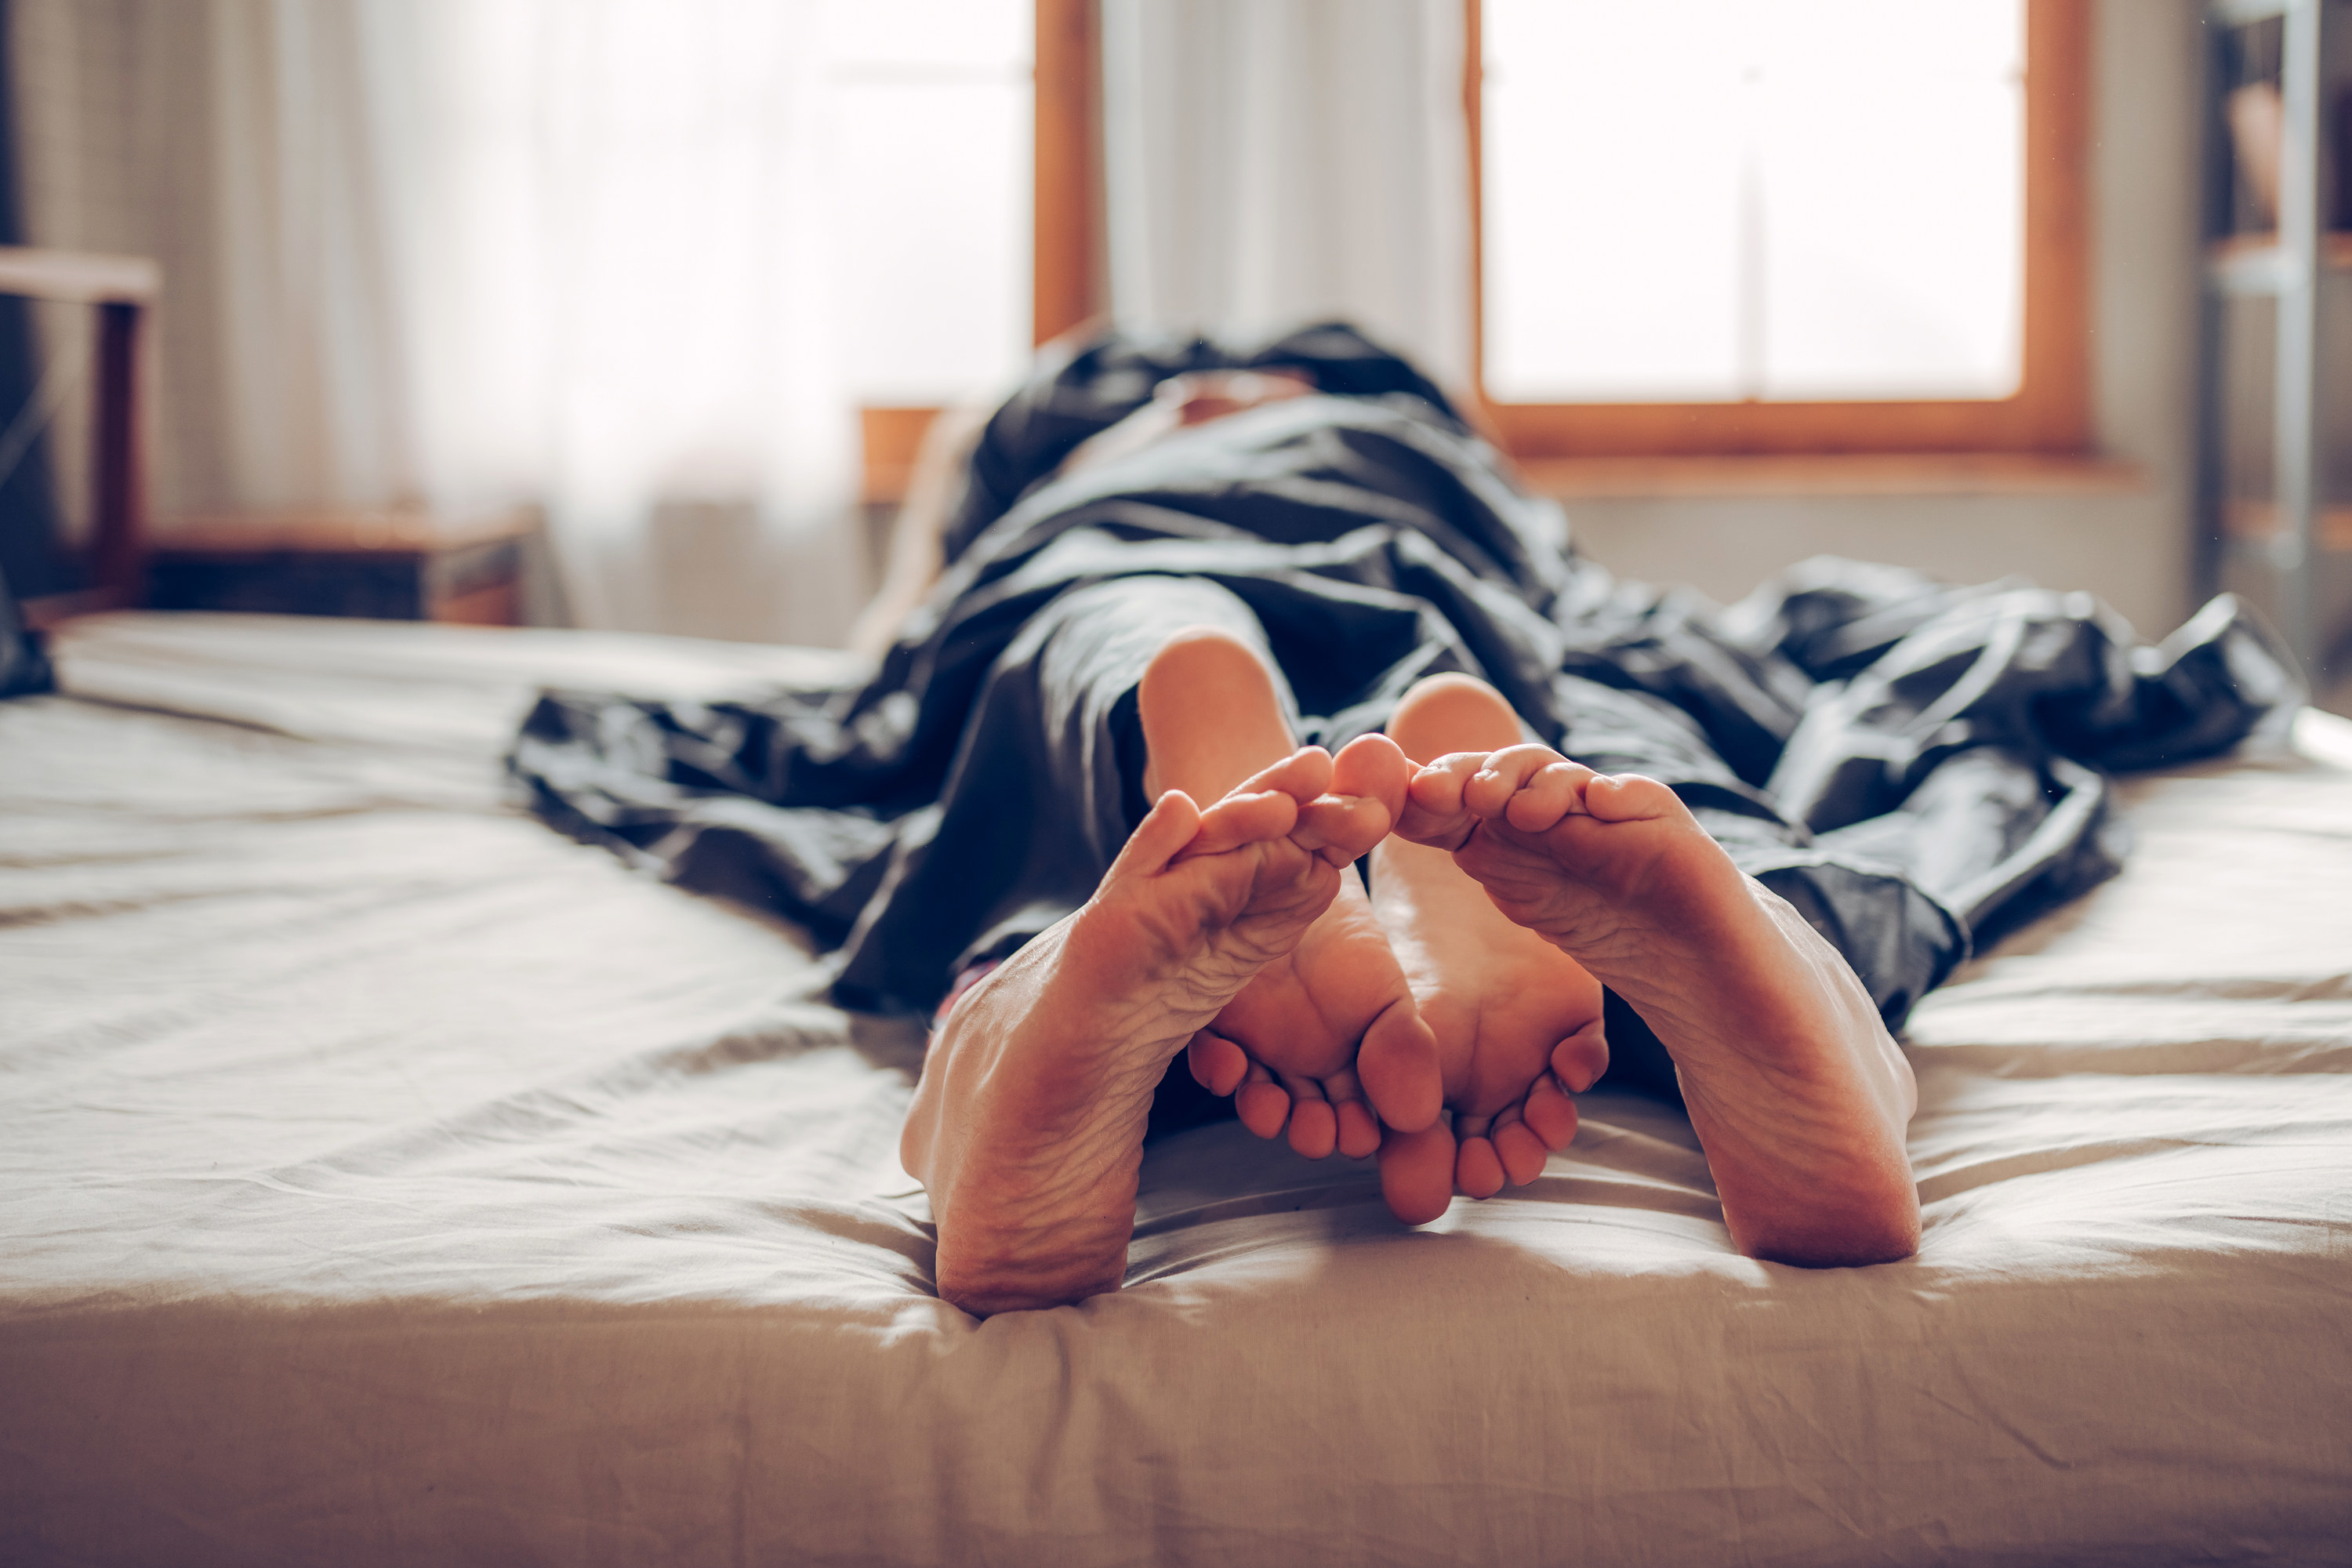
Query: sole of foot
(1027, 1125)
(1798, 1094)
(1517, 1021)
(1324, 1042)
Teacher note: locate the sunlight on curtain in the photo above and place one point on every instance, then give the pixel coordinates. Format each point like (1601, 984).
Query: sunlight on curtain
(677, 244)
(1273, 162)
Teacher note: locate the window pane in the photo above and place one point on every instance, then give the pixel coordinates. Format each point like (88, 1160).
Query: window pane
(959, 35)
(931, 168)
(1612, 161)
(932, 182)
(1892, 161)
(1689, 200)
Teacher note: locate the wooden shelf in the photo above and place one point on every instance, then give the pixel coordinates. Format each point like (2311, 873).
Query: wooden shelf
(396, 563)
(385, 530)
(1849, 474)
(79, 276)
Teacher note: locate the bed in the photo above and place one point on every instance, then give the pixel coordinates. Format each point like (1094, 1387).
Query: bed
(384, 1178)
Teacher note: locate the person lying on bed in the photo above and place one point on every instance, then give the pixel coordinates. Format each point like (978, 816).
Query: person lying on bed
(1191, 634)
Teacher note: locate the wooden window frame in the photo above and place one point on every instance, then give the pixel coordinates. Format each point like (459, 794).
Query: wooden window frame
(2050, 412)
(1065, 242)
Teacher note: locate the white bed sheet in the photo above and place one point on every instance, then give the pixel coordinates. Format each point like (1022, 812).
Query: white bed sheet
(384, 1178)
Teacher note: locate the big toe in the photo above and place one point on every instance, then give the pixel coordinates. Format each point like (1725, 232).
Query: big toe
(1398, 1066)
(1417, 1173)
(1367, 796)
(1626, 797)
(1302, 776)
(1374, 767)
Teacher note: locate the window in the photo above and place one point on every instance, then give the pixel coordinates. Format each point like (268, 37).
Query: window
(1721, 226)
(930, 113)
(975, 121)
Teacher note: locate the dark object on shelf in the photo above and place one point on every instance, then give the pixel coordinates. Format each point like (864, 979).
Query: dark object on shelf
(394, 565)
(23, 665)
(2257, 117)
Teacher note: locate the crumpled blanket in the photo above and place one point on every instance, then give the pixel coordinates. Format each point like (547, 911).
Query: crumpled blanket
(1911, 765)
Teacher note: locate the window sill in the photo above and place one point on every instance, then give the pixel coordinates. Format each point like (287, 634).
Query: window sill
(1843, 474)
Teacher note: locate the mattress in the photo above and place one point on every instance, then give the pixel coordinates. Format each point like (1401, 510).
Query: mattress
(384, 1178)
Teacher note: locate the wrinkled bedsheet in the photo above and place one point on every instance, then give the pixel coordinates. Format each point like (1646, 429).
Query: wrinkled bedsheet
(385, 1179)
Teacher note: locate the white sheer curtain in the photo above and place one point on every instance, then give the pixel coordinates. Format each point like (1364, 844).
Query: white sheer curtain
(630, 302)
(233, 142)
(1270, 160)
(564, 251)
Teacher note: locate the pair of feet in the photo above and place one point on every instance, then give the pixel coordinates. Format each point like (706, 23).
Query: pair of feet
(1418, 998)
(1509, 884)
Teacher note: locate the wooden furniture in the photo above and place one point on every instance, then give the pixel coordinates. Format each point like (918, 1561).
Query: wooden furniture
(393, 565)
(121, 288)
(2282, 535)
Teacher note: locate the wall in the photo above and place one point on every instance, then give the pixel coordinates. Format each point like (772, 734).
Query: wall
(2132, 548)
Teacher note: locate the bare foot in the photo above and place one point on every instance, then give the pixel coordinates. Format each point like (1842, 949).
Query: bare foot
(1327, 1035)
(1517, 1021)
(1027, 1126)
(1797, 1092)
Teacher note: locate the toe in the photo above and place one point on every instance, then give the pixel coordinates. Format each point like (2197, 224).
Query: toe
(1522, 1153)
(1265, 805)
(1490, 791)
(1358, 1129)
(1369, 778)
(1374, 767)
(1342, 827)
(1261, 1103)
(1417, 1173)
(1314, 1128)
(1433, 813)
(1553, 792)
(1477, 1169)
(1582, 1058)
(1302, 776)
(1624, 797)
(1166, 834)
(1549, 1114)
(1399, 1068)
(1360, 1134)
(1218, 1064)
(1245, 817)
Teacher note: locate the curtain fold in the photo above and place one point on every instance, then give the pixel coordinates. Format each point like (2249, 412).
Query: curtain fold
(1271, 161)
(231, 141)
(568, 252)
